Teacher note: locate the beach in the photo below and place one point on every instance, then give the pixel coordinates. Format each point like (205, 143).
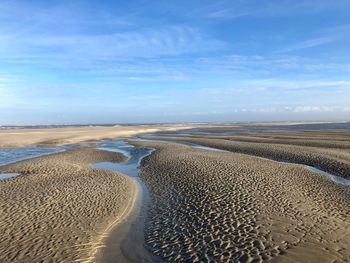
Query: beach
(214, 194)
(174, 131)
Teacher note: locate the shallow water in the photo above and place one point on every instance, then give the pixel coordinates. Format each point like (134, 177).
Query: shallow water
(11, 155)
(129, 167)
(8, 175)
(337, 179)
(126, 242)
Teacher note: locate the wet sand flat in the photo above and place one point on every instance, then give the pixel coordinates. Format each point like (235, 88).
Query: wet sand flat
(232, 207)
(313, 139)
(60, 136)
(59, 208)
(205, 205)
(325, 139)
(332, 160)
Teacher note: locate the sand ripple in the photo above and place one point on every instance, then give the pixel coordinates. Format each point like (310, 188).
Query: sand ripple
(228, 207)
(57, 210)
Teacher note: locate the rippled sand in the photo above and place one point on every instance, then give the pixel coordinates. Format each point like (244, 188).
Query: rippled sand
(332, 159)
(232, 207)
(207, 206)
(59, 209)
(339, 139)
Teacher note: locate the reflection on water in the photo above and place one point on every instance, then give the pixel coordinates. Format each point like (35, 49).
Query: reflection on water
(11, 155)
(337, 179)
(129, 167)
(15, 154)
(8, 175)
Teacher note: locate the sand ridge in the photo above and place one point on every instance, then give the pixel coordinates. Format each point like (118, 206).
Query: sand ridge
(59, 208)
(332, 160)
(311, 139)
(224, 207)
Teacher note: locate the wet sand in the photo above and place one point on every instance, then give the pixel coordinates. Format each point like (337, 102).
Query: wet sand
(333, 160)
(336, 139)
(205, 205)
(59, 209)
(60, 136)
(223, 207)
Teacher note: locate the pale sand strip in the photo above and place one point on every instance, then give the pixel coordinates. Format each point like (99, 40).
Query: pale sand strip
(60, 136)
(102, 242)
(60, 209)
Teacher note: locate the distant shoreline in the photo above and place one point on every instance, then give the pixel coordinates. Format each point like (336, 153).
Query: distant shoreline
(56, 136)
(56, 126)
(62, 136)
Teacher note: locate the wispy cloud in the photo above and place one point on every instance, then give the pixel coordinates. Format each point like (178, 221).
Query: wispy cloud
(309, 44)
(256, 8)
(304, 84)
(148, 42)
(163, 54)
(324, 36)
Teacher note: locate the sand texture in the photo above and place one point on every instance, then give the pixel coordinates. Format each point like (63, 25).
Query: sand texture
(57, 210)
(60, 136)
(230, 207)
(333, 160)
(325, 139)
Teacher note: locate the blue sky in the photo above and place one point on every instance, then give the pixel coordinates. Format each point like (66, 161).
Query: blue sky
(172, 61)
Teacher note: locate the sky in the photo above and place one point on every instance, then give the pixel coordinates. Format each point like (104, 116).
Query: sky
(138, 61)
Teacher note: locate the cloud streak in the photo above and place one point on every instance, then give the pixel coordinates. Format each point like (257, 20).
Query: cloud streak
(172, 57)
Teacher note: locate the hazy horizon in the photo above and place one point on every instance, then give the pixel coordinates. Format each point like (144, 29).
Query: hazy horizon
(65, 62)
(84, 124)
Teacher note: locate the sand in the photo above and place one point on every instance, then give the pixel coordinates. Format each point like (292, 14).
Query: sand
(331, 139)
(59, 209)
(333, 160)
(60, 136)
(206, 206)
(230, 207)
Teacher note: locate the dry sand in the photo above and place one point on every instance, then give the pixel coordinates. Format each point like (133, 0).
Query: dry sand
(332, 160)
(58, 210)
(231, 207)
(60, 136)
